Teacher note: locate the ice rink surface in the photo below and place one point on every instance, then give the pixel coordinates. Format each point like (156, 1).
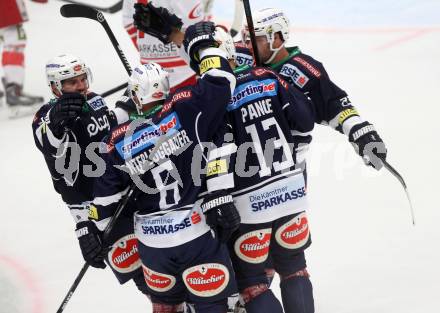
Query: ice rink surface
(366, 256)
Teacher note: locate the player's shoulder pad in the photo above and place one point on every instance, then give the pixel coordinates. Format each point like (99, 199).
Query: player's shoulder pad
(242, 48)
(95, 101)
(309, 64)
(240, 45)
(262, 72)
(116, 134)
(181, 95)
(41, 115)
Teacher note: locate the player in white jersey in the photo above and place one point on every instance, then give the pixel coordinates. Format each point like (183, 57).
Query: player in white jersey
(152, 49)
(13, 43)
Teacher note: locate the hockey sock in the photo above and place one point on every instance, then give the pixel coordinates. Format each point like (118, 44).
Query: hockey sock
(264, 303)
(297, 293)
(220, 306)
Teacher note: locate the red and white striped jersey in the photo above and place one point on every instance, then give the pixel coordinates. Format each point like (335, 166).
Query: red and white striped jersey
(152, 49)
(12, 12)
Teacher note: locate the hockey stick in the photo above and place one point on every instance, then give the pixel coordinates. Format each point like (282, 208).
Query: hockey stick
(250, 22)
(105, 236)
(238, 18)
(112, 9)
(396, 174)
(79, 10)
(114, 90)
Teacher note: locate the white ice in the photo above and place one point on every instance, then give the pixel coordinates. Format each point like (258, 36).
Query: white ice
(366, 256)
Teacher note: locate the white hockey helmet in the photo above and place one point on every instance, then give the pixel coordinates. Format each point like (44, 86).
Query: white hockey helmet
(268, 22)
(148, 83)
(223, 37)
(63, 67)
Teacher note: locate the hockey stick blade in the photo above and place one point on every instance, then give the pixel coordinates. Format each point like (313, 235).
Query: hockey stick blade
(80, 10)
(112, 9)
(396, 174)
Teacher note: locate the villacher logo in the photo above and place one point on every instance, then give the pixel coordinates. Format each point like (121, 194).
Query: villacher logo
(206, 280)
(158, 281)
(124, 255)
(253, 247)
(294, 234)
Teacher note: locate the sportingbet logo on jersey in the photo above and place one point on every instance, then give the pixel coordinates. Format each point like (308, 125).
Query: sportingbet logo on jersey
(253, 247)
(251, 91)
(206, 280)
(298, 77)
(124, 255)
(294, 234)
(157, 281)
(146, 137)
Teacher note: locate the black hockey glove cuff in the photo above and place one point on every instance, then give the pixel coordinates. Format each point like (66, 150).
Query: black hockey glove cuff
(221, 214)
(157, 22)
(89, 237)
(64, 112)
(126, 104)
(198, 36)
(368, 144)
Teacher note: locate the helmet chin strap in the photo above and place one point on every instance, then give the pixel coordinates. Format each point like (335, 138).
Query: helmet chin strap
(275, 51)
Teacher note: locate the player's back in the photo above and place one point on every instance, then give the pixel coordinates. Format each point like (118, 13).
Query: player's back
(309, 75)
(270, 121)
(161, 154)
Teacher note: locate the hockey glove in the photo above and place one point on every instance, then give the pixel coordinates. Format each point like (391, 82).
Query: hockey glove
(221, 214)
(64, 112)
(157, 22)
(89, 238)
(126, 104)
(368, 144)
(198, 36)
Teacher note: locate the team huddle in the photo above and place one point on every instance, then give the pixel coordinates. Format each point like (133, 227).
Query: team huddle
(207, 170)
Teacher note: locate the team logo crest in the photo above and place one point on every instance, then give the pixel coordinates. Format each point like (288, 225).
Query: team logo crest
(158, 281)
(124, 256)
(294, 234)
(253, 247)
(206, 280)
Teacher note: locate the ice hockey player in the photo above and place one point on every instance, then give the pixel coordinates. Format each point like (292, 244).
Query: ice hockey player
(12, 16)
(331, 103)
(67, 131)
(181, 259)
(277, 121)
(266, 112)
